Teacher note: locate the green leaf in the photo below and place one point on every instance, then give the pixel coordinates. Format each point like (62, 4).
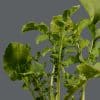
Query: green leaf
(93, 9)
(17, 59)
(97, 44)
(42, 27)
(45, 51)
(69, 61)
(70, 50)
(67, 13)
(57, 24)
(54, 55)
(25, 87)
(41, 38)
(97, 33)
(81, 25)
(87, 70)
(97, 66)
(83, 43)
(38, 67)
(29, 27)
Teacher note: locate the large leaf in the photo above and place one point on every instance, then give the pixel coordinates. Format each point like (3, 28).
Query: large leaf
(93, 9)
(88, 71)
(17, 59)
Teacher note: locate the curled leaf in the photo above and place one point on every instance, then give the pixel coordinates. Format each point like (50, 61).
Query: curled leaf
(29, 27)
(67, 13)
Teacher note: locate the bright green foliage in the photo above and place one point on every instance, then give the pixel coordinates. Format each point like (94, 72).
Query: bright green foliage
(81, 25)
(88, 71)
(83, 43)
(57, 24)
(37, 67)
(65, 49)
(67, 13)
(41, 38)
(93, 9)
(45, 51)
(97, 33)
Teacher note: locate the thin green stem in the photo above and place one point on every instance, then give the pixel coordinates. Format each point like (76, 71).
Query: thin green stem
(83, 92)
(59, 67)
(51, 84)
(58, 87)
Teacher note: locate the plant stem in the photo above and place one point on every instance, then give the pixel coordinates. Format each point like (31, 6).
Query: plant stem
(59, 67)
(51, 85)
(58, 87)
(83, 92)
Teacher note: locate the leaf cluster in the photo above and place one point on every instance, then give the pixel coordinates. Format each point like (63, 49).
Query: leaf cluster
(66, 49)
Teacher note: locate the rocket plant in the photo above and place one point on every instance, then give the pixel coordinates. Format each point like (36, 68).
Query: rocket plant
(65, 48)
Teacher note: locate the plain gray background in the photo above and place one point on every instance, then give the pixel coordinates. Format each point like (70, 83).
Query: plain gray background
(13, 14)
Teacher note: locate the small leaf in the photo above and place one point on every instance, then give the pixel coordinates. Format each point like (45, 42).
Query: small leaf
(68, 62)
(97, 33)
(82, 24)
(42, 27)
(69, 12)
(57, 24)
(55, 56)
(83, 43)
(70, 50)
(41, 38)
(97, 66)
(29, 27)
(25, 87)
(45, 51)
(97, 44)
(37, 67)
